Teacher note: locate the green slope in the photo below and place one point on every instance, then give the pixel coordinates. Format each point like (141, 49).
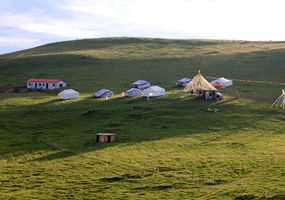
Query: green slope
(166, 148)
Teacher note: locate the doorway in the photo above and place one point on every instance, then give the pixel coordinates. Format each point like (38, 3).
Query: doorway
(109, 138)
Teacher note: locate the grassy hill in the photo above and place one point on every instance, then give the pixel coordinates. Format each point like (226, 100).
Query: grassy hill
(166, 148)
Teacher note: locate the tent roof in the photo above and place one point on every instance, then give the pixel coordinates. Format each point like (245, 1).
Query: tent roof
(140, 82)
(222, 79)
(133, 89)
(184, 80)
(154, 88)
(199, 83)
(103, 91)
(218, 84)
(68, 91)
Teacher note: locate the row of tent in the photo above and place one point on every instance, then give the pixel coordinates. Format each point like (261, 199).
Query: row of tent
(198, 83)
(219, 83)
(152, 91)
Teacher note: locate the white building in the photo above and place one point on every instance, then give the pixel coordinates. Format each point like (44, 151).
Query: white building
(45, 84)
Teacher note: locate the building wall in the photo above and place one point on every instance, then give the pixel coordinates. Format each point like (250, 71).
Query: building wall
(41, 85)
(104, 138)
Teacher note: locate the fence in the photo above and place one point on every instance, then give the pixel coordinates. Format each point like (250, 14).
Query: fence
(250, 81)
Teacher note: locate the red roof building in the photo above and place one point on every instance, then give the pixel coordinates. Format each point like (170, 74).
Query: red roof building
(43, 80)
(45, 84)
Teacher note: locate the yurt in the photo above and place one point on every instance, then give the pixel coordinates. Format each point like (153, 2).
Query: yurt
(199, 83)
(182, 82)
(140, 84)
(133, 92)
(224, 81)
(154, 91)
(103, 93)
(68, 94)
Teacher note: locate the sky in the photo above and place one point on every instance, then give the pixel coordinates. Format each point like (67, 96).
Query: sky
(29, 23)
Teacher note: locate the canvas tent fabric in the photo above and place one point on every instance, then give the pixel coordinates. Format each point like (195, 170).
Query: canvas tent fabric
(154, 91)
(182, 82)
(133, 92)
(224, 81)
(140, 84)
(103, 93)
(199, 83)
(218, 84)
(68, 94)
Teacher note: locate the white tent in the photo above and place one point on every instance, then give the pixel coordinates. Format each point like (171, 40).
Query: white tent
(154, 91)
(182, 82)
(133, 92)
(68, 94)
(103, 93)
(140, 84)
(224, 81)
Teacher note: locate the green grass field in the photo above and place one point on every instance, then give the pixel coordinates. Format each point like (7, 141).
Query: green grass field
(166, 148)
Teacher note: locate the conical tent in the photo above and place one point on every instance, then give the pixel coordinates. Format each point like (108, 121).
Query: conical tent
(280, 101)
(199, 83)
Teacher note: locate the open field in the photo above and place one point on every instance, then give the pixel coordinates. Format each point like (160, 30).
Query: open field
(166, 148)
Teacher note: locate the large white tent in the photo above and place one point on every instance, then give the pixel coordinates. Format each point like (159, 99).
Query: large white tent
(154, 91)
(224, 81)
(68, 94)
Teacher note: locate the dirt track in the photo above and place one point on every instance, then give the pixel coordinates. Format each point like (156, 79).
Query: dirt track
(13, 89)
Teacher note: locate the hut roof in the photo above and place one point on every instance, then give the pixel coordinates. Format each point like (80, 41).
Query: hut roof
(199, 83)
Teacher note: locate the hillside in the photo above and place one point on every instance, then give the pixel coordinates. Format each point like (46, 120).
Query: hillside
(166, 148)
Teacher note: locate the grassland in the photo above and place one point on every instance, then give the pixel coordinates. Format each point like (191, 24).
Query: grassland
(166, 148)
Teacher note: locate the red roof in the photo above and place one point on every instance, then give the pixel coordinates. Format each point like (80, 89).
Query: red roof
(218, 84)
(43, 80)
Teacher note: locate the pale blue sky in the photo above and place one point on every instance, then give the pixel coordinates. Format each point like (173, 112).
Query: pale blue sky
(29, 23)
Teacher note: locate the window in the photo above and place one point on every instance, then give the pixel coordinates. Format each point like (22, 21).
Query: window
(30, 84)
(53, 85)
(40, 84)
